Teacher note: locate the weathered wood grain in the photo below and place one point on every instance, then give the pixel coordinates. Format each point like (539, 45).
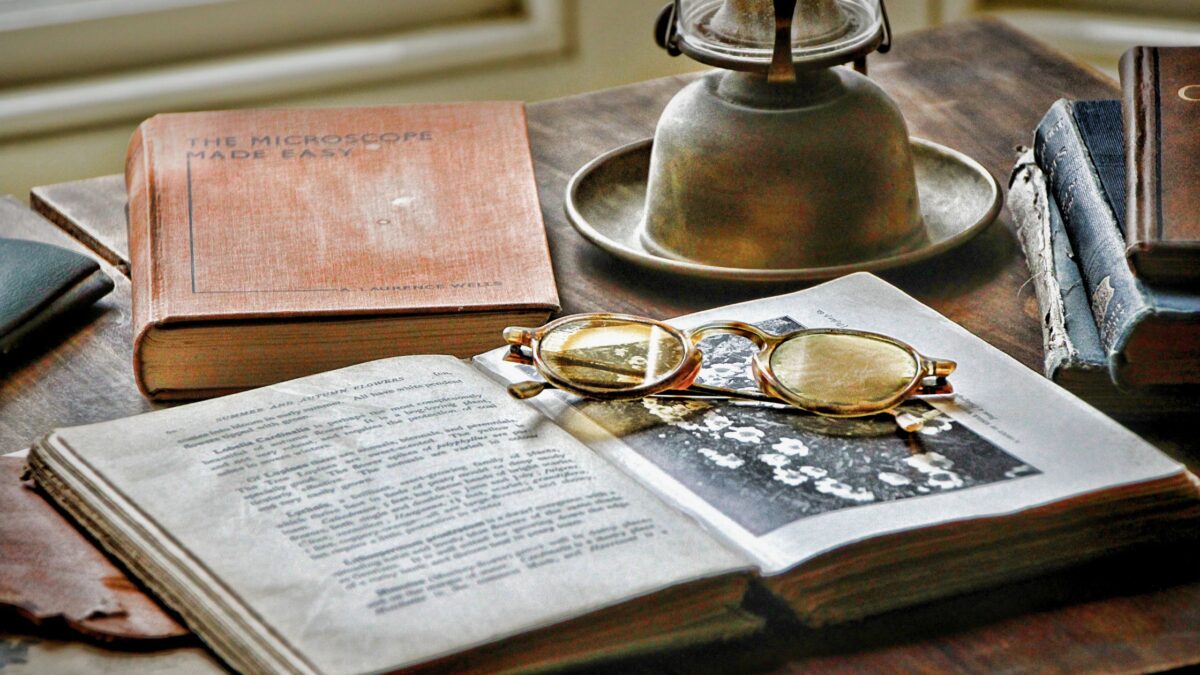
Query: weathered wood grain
(78, 370)
(1107, 616)
(979, 87)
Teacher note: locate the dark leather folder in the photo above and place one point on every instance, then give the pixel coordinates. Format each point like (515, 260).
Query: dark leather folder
(39, 283)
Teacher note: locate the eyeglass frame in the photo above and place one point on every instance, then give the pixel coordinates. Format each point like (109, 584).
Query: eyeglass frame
(772, 391)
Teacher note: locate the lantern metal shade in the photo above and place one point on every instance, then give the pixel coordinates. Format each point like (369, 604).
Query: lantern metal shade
(746, 174)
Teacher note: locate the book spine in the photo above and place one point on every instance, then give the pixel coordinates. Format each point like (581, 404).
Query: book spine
(1116, 297)
(1069, 336)
(139, 185)
(1137, 80)
(1027, 203)
(1161, 101)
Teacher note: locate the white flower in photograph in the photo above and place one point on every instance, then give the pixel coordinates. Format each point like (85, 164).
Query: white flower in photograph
(728, 461)
(936, 426)
(771, 459)
(792, 447)
(936, 468)
(789, 476)
(928, 462)
(745, 434)
(712, 423)
(893, 478)
(833, 486)
(715, 421)
(719, 374)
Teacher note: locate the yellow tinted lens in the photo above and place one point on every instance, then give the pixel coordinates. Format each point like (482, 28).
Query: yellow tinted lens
(611, 354)
(852, 371)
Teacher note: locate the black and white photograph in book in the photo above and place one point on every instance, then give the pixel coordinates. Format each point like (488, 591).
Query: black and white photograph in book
(767, 466)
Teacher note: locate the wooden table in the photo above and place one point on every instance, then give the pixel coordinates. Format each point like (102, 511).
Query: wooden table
(979, 87)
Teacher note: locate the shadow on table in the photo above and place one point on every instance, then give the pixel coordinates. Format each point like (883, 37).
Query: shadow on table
(1014, 627)
(51, 336)
(950, 275)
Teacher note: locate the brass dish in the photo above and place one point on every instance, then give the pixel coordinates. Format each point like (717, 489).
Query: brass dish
(605, 198)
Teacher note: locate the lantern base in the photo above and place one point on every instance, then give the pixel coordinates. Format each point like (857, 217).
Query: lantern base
(606, 198)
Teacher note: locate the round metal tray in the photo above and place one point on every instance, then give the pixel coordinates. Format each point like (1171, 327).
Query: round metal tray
(605, 198)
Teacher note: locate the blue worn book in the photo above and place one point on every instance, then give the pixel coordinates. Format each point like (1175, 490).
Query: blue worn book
(1150, 336)
(1074, 356)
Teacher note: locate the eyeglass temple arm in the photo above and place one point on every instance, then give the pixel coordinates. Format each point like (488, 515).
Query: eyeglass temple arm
(527, 389)
(699, 390)
(517, 355)
(907, 421)
(531, 388)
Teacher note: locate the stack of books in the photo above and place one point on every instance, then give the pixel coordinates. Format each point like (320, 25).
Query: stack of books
(1105, 209)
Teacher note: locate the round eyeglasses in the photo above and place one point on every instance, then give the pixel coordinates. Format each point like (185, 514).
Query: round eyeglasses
(827, 371)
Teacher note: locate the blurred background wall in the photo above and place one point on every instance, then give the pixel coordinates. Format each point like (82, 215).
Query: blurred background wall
(77, 75)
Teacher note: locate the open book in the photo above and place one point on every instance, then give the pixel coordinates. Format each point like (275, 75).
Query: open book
(407, 511)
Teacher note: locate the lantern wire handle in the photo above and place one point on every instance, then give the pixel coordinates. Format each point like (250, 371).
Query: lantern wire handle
(666, 29)
(886, 44)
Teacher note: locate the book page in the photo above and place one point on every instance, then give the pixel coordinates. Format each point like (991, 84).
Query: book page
(785, 485)
(388, 513)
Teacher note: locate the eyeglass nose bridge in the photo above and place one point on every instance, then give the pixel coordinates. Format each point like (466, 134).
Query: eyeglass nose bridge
(752, 333)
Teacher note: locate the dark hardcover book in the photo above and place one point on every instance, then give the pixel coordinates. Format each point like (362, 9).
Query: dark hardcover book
(1161, 88)
(1074, 356)
(40, 283)
(1150, 334)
